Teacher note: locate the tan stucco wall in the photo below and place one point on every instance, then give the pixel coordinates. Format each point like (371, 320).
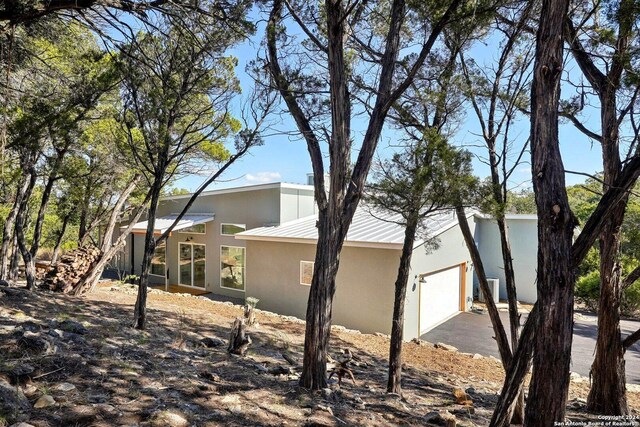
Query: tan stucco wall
(364, 285)
(254, 208)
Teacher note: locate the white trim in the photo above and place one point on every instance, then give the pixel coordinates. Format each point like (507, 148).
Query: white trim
(244, 273)
(222, 224)
(184, 230)
(192, 269)
(313, 264)
(282, 185)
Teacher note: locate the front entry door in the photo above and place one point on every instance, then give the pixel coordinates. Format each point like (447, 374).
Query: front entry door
(192, 264)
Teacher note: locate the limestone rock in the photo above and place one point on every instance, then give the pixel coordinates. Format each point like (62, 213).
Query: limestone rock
(446, 347)
(168, 419)
(44, 402)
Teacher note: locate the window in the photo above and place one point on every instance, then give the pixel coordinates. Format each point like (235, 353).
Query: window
(195, 229)
(232, 267)
(306, 272)
(159, 259)
(231, 229)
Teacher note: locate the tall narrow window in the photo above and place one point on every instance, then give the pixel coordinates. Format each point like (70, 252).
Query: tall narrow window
(232, 267)
(306, 272)
(159, 260)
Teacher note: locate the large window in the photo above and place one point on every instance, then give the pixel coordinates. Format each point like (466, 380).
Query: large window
(232, 267)
(231, 229)
(195, 229)
(306, 272)
(159, 260)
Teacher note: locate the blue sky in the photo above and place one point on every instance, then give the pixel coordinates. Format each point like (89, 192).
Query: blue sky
(285, 158)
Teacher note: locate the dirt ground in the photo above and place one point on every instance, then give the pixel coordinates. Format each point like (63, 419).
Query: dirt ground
(67, 361)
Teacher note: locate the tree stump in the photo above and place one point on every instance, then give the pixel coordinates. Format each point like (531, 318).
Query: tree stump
(239, 341)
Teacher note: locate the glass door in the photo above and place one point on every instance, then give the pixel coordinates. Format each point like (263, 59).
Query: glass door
(192, 264)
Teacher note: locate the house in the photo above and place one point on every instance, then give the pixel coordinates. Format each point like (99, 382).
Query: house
(259, 241)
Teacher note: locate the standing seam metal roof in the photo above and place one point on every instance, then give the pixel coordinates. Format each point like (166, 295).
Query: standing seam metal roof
(370, 227)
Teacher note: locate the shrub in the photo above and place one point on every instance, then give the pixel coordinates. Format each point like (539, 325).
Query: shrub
(588, 293)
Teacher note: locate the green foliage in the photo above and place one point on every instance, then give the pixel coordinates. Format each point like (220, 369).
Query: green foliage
(427, 176)
(588, 292)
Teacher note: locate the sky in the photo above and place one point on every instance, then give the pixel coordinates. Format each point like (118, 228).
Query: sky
(284, 157)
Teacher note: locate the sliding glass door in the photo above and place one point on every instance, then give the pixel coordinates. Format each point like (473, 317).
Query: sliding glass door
(192, 264)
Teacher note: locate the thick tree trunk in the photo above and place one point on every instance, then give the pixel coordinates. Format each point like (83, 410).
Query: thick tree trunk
(58, 246)
(323, 285)
(394, 383)
(549, 387)
(140, 313)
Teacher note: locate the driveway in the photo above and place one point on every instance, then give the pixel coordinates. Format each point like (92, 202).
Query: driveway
(472, 333)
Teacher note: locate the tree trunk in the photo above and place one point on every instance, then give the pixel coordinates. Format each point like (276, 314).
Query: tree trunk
(514, 316)
(8, 232)
(608, 389)
(549, 387)
(140, 313)
(108, 248)
(323, 285)
(21, 219)
(14, 264)
(44, 201)
(513, 386)
(56, 249)
(394, 383)
(494, 315)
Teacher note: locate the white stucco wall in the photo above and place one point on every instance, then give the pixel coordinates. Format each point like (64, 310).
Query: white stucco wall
(452, 251)
(523, 236)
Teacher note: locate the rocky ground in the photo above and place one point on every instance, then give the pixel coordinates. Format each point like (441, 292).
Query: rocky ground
(67, 361)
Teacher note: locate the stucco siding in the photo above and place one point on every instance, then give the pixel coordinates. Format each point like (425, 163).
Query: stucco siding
(296, 203)
(364, 285)
(523, 236)
(451, 252)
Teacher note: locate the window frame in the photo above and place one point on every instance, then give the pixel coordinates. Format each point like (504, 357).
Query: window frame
(313, 265)
(244, 268)
(222, 224)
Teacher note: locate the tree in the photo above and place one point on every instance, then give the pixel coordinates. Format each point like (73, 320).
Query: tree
(316, 91)
(177, 88)
(58, 86)
(606, 37)
(497, 95)
(415, 184)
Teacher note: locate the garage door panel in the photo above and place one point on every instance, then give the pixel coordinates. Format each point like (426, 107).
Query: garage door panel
(439, 297)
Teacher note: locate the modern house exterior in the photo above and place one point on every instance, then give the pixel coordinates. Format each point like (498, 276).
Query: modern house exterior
(259, 241)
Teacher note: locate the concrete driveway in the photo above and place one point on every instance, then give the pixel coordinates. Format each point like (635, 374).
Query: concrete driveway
(472, 333)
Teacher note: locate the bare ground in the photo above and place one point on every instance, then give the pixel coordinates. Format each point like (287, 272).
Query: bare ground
(164, 376)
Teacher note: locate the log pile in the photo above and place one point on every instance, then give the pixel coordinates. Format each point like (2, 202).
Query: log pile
(71, 268)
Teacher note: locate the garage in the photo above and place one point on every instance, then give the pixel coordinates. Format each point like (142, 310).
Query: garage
(441, 293)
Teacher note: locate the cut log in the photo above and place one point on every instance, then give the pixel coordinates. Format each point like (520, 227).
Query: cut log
(239, 341)
(66, 275)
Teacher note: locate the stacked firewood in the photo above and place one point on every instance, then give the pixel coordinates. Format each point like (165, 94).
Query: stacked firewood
(70, 269)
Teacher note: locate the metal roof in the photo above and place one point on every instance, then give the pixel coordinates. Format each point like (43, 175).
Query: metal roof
(369, 228)
(164, 222)
(255, 187)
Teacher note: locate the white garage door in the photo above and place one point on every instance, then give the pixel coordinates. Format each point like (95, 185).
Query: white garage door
(439, 297)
